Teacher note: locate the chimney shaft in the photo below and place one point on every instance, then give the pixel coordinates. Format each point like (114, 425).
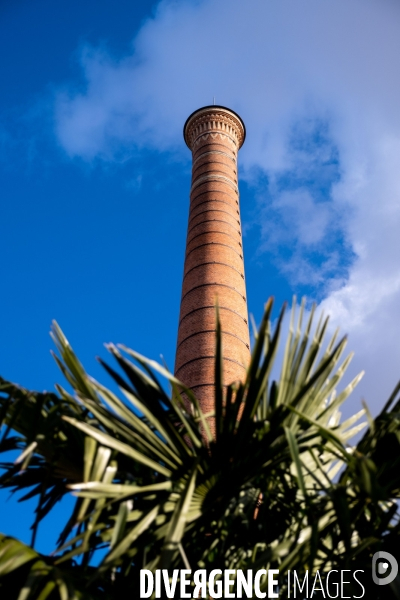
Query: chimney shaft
(214, 265)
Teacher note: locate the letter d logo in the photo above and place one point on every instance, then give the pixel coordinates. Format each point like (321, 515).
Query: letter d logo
(382, 568)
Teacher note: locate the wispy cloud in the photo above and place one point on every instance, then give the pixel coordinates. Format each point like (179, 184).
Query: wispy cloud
(318, 86)
(301, 228)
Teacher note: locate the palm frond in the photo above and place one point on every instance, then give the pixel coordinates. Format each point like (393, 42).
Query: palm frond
(278, 486)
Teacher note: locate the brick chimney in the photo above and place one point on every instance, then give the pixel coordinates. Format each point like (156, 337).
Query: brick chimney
(214, 265)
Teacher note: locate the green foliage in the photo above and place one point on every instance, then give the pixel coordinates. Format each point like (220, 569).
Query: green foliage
(279, 487)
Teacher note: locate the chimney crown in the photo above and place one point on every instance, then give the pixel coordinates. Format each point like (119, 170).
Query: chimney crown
(214, 119)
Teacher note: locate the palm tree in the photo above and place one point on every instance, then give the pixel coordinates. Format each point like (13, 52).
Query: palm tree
(278, 488)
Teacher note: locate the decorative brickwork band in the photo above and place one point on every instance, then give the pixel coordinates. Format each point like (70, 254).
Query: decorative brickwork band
(214, 265)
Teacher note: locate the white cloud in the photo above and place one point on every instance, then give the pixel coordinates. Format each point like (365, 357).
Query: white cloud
(282, 64)
(302, 217)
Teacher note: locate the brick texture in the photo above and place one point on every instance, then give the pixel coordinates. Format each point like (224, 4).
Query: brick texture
(214, 267)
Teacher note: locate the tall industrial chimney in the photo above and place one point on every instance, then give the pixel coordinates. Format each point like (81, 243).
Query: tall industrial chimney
(214, 266)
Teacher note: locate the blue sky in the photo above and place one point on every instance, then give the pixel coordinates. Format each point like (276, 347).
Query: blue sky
(95, 173)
